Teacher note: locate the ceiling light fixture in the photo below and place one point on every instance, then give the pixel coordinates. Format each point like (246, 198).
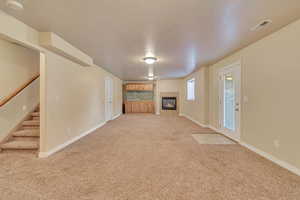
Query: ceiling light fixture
(151, 78)
(15, 4)
(229, 78)
(150, 60)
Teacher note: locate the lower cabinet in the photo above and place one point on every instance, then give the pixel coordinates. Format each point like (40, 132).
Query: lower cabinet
(139, 107)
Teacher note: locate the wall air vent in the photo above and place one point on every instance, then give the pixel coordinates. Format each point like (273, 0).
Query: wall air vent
(261, 25)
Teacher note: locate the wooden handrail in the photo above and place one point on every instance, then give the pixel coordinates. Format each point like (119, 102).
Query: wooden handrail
(17, 91)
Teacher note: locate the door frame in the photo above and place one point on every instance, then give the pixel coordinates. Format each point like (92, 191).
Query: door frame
(107, 100)
(237, 134)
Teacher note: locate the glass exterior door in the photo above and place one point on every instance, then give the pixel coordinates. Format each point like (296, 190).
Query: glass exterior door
(229, 95)
(229, 102)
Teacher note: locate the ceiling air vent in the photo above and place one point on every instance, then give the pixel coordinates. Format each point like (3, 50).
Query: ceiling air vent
(261, 25)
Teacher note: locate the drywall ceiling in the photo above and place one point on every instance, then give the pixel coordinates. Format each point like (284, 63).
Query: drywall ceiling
(183, 34)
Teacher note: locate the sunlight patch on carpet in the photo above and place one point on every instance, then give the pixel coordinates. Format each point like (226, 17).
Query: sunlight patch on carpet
(212, 139)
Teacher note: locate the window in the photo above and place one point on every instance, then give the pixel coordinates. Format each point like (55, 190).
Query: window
(190, 85)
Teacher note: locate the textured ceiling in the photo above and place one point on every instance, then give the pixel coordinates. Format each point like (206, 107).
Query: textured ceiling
(183, 34)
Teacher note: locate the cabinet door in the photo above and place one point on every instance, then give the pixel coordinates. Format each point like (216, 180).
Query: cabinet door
(138, 87)
(148, 87)
(145, 87)
(136, 107)
(133, 87)
(150, 108)
(144, 107)
(128, 107)
(128, 87)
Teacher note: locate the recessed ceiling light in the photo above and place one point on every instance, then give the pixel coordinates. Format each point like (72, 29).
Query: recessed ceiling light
(151, 78)
(261, 25)
(14, 4)
(150, 60)
(229, 78)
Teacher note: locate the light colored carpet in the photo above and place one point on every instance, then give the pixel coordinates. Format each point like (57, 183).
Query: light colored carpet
(145, 157)
(212, 139)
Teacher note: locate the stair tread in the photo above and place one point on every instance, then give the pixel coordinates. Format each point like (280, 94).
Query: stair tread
(18, 144)
(31, 122)
(35, 114)
(27, 133)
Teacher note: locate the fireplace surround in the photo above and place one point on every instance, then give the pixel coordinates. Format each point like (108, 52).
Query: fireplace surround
(169, 103)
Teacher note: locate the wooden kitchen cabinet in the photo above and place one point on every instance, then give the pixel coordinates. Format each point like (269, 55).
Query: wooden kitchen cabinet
(128, 108)
(144, 107)
(139, 107)
(136, 107)
(139, 87)
(148, 87)
(131, 87)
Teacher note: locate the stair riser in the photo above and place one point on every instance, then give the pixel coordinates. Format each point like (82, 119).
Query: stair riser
(26, 134)
(20, 148)
(24, 138)
(30, 127)
(34, 125)
(31, 123)
(35, 114)
(29, 151)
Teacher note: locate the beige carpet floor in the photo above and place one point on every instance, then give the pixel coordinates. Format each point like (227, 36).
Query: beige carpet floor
(145, 157)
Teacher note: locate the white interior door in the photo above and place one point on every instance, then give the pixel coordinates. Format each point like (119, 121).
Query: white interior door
(229, 100)
(108, 98)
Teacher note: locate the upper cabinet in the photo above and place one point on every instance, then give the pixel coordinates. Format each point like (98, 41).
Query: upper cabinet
(139, 87)
(148, 87)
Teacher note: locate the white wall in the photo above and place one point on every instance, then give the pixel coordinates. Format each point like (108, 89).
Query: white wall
(172, 85)
(75, 99)
(18, 66)
(197, 109)
(270, 80)
(72, 96)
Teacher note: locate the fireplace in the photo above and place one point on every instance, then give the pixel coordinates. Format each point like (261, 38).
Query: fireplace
(169, 103)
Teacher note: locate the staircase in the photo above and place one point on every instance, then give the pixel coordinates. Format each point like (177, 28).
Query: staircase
(27, 136)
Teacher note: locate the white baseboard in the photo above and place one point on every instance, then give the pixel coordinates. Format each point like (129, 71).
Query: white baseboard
(193, 120)
(60, 147)
(268, 156)
(116, 116)
(272, 158)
